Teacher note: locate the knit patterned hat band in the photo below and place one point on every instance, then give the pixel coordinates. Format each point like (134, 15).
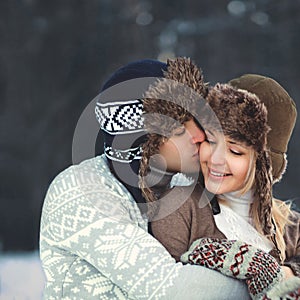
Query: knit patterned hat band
(120, 117)
(124, 118)
(119, 112)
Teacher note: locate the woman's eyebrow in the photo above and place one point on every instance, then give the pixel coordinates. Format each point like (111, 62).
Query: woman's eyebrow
(237, 143)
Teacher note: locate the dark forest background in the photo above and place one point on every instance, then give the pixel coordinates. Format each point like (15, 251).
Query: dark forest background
(55, 55)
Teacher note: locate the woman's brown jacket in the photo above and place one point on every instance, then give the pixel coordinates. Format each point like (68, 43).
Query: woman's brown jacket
(176, 227)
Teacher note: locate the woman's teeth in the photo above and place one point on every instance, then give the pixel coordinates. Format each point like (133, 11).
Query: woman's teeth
(217, 174)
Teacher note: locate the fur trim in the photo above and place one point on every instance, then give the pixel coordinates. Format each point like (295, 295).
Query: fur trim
(183, 70)
(241, 115)
(168, 104)
(279, 164)
(263, 191)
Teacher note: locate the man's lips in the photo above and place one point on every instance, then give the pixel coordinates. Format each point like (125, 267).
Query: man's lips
(196, 153)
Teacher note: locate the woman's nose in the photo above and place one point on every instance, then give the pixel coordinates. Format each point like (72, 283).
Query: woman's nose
(218, 156)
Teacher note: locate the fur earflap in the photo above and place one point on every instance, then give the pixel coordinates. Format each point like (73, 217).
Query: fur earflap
(263, 192)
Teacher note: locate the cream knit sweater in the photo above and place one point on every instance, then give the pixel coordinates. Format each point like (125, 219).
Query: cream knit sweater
(94, 244)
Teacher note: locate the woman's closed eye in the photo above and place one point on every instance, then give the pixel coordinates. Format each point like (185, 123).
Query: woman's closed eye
(236, 152)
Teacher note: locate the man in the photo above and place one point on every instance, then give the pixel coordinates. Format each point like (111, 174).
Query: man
(94, 239)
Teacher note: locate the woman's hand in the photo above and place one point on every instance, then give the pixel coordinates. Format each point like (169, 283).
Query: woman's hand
(265, 278)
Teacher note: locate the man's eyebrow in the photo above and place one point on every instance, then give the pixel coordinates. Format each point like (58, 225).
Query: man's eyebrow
(210, 132)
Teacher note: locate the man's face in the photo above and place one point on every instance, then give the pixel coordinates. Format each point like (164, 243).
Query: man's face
(181, 151)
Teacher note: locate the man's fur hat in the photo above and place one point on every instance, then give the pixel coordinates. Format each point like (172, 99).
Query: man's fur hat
(243, 118)
(171, 101)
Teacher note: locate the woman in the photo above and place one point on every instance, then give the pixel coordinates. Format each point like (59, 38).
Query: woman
(236, 167)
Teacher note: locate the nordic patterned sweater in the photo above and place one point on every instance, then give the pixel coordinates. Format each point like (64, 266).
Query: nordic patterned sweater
(94, 244)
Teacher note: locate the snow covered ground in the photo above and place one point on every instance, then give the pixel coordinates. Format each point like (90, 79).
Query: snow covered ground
(21, 276)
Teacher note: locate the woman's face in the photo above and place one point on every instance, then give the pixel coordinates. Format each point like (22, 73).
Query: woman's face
(224, 163)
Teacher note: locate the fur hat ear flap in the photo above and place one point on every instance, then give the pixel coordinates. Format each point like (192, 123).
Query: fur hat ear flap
(263, 191)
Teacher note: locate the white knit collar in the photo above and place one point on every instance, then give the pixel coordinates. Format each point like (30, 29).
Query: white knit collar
(158, 177)
(235, 222)
(240, 204)
(235, 227)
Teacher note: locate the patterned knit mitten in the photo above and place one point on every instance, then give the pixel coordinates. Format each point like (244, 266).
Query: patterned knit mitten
(240, 260)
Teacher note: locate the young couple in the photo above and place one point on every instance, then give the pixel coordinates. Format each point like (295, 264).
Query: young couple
(94, 239)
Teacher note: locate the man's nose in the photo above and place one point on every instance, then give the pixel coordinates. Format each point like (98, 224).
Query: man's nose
(198, 136)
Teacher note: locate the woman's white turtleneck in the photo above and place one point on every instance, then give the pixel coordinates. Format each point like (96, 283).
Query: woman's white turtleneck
(235, 222)
(240, 204)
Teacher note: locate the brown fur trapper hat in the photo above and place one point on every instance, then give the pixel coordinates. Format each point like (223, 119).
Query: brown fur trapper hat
(282, 115)
(171, 101)
(243, 117)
